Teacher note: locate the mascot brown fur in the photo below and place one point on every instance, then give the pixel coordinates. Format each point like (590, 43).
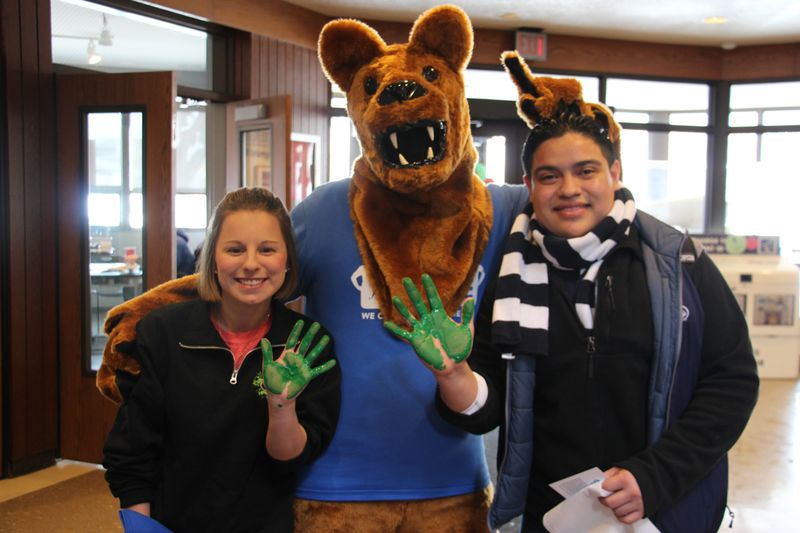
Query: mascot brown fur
(120, 326)
(417, 205)
(541, 96)
(415, 201)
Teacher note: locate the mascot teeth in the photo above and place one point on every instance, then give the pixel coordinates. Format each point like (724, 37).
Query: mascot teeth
(413, 145)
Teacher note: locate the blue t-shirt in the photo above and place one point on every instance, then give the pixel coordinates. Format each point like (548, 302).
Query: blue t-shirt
(390, 443)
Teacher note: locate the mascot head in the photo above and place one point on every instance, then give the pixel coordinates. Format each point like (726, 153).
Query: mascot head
(406, 100)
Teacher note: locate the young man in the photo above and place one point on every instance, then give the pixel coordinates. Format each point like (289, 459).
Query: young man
(610, 343)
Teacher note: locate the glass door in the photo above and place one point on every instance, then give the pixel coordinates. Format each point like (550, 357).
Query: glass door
(116, 234)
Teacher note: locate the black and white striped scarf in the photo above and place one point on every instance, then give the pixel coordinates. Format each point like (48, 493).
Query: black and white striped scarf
(521, 311)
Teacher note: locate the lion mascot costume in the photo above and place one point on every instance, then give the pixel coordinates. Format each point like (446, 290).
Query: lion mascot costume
(413, 205)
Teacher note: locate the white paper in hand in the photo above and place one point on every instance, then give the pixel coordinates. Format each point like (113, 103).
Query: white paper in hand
(581, 512)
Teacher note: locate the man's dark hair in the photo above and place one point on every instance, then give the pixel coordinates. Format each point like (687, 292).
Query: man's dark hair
(565, 120)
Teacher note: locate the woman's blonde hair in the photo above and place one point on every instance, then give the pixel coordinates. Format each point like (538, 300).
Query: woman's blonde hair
(245, 199)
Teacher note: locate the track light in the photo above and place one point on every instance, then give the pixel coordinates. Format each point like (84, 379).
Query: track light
(106, 37)
(93, 57)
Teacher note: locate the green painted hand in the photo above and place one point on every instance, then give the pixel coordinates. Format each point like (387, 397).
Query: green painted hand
(291, 372)
(435, 336)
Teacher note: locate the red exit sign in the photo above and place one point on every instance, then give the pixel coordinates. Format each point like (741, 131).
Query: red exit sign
(531, 44)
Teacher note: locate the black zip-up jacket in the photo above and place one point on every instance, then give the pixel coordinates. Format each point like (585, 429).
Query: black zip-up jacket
(191, 442)
(598, 402)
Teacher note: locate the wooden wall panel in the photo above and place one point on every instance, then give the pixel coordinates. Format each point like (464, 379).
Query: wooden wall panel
(3, 229)
(761, 62)
(28, 228)
(284, 68)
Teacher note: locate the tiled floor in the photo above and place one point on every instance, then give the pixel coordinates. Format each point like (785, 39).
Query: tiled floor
(765, 466)
(63, 470)
(764, 488)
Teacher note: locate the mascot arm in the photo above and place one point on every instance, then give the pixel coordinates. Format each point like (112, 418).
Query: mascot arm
(120, 326)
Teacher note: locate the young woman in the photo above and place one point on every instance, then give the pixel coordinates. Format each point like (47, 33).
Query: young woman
(194, 444)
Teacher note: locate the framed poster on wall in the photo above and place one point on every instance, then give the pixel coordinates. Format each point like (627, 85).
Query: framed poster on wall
(304, 166)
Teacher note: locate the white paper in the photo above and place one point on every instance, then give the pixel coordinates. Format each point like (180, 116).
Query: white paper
(581, 512)
(573, 484)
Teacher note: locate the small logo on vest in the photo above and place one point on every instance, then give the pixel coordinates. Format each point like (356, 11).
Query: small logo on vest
(684, 313)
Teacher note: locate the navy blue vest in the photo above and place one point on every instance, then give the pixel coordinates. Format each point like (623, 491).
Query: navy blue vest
(707, 499)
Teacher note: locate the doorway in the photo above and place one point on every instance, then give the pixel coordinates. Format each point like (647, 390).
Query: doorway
(498, 120)
(115, 220)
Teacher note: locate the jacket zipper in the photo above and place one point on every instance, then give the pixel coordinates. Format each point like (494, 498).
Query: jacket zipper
(610, 288)
(591, 340)
(234, 375)
(590, 349)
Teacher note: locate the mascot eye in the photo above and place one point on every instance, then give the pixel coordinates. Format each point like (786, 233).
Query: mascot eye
(430, 73)
(370, 85)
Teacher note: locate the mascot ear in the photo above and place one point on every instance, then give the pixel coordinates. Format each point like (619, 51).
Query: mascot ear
(345, 46)
(541, 97)
(605, 117)
(444, 31)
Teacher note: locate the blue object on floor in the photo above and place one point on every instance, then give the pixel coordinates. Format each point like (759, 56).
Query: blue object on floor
(133, 522)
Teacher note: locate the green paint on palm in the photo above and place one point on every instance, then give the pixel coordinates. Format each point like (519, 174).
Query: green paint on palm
(434, 335)
(293, 372)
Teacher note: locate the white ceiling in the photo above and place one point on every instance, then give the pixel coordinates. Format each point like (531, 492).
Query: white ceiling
(140, 43)
(749, 22)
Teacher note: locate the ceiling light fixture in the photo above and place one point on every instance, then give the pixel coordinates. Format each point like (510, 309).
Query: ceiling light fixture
(715, 20)
(93, 57)
(106, 37)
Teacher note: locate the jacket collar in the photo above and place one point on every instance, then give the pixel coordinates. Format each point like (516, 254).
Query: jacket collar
(201, 331)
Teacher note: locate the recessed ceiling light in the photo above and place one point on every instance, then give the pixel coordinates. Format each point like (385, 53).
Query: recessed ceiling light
(715, 20)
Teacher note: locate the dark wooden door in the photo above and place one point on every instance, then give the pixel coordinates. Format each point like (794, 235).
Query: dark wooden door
(85, 415)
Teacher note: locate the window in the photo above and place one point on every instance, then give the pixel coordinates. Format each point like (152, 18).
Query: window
(659, 102)
(481, 84)
(114, 169)
(664, 147)
(762, 182)
(344, 148)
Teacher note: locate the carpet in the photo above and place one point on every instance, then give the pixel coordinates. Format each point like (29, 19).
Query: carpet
(82, 504)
